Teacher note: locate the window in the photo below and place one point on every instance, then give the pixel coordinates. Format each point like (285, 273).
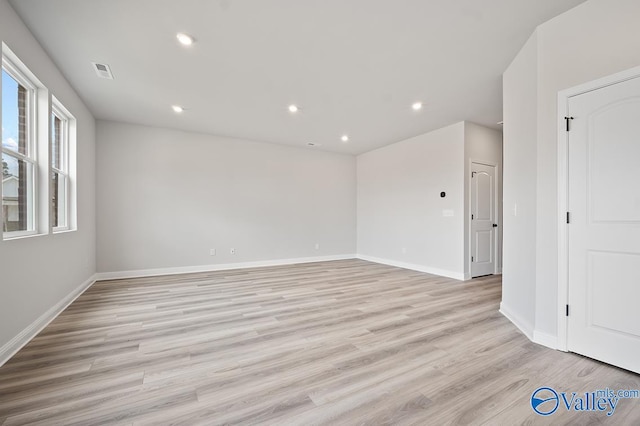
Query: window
(60, 127)
(19, 162)
(38, 155)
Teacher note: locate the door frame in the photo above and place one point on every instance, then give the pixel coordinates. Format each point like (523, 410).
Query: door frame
(496, 205)
(563, 190)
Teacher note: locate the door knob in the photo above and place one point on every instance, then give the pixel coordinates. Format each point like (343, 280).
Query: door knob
(495, 225)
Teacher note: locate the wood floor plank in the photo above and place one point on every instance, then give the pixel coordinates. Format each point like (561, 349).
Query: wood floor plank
(344, 342)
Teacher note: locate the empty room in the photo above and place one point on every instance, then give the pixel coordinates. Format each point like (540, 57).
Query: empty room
(331, 212)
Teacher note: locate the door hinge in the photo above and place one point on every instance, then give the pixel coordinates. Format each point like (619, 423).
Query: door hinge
(568, 217)
(567, 310)
(472, 258)
(568, 120)
(473, 174)
(471, 217)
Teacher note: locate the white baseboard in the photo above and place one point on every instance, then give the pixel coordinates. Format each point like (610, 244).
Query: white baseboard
(536, 336)
(420, 268)
(26, 335)
(101, 276)
(545, 339)
(518, 321)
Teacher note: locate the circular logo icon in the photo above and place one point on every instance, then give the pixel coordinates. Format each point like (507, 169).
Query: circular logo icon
(545, 401)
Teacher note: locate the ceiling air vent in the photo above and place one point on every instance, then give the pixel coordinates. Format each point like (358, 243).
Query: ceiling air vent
(102, 70)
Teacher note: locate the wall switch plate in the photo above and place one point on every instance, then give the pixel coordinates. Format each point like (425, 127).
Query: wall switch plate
(212, 252)
(317, 246)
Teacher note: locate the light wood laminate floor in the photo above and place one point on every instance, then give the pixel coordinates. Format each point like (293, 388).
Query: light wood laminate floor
(343, 343)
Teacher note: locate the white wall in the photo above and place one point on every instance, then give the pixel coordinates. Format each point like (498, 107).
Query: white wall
(39, 272)
(520, 97)
(608, 38)
(400, 211)
(483, 145)
(165, 198)
(593, 40)
(400, 217)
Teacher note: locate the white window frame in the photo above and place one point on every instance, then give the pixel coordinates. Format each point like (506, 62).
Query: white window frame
(59, 111)
(12, 67)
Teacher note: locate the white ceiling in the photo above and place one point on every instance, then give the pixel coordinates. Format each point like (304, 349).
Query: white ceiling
(353, 66)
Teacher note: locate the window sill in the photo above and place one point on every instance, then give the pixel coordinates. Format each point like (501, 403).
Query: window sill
(63, 231)
(21, 236)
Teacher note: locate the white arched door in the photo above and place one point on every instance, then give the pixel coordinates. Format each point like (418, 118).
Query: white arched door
(603, 226)
(483, 219)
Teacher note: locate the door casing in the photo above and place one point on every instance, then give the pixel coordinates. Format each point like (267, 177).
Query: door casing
(563, 191)
(496, 201)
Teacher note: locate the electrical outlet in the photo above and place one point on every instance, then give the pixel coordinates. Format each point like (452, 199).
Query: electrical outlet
(212, 252)
(317, 246)
(232, 251)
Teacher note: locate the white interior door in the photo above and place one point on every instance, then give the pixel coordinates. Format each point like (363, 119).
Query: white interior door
(604, 225)
(483, 219)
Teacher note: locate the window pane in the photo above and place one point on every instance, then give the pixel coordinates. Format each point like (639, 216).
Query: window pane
(56, 138)
(14, 115)
(17, 199)
(59, 200)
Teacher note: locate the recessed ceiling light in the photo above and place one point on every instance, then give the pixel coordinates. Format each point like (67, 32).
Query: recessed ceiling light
(417, 106)
(345, 138)
(177, 108)
(293, 108)
(185, 39)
